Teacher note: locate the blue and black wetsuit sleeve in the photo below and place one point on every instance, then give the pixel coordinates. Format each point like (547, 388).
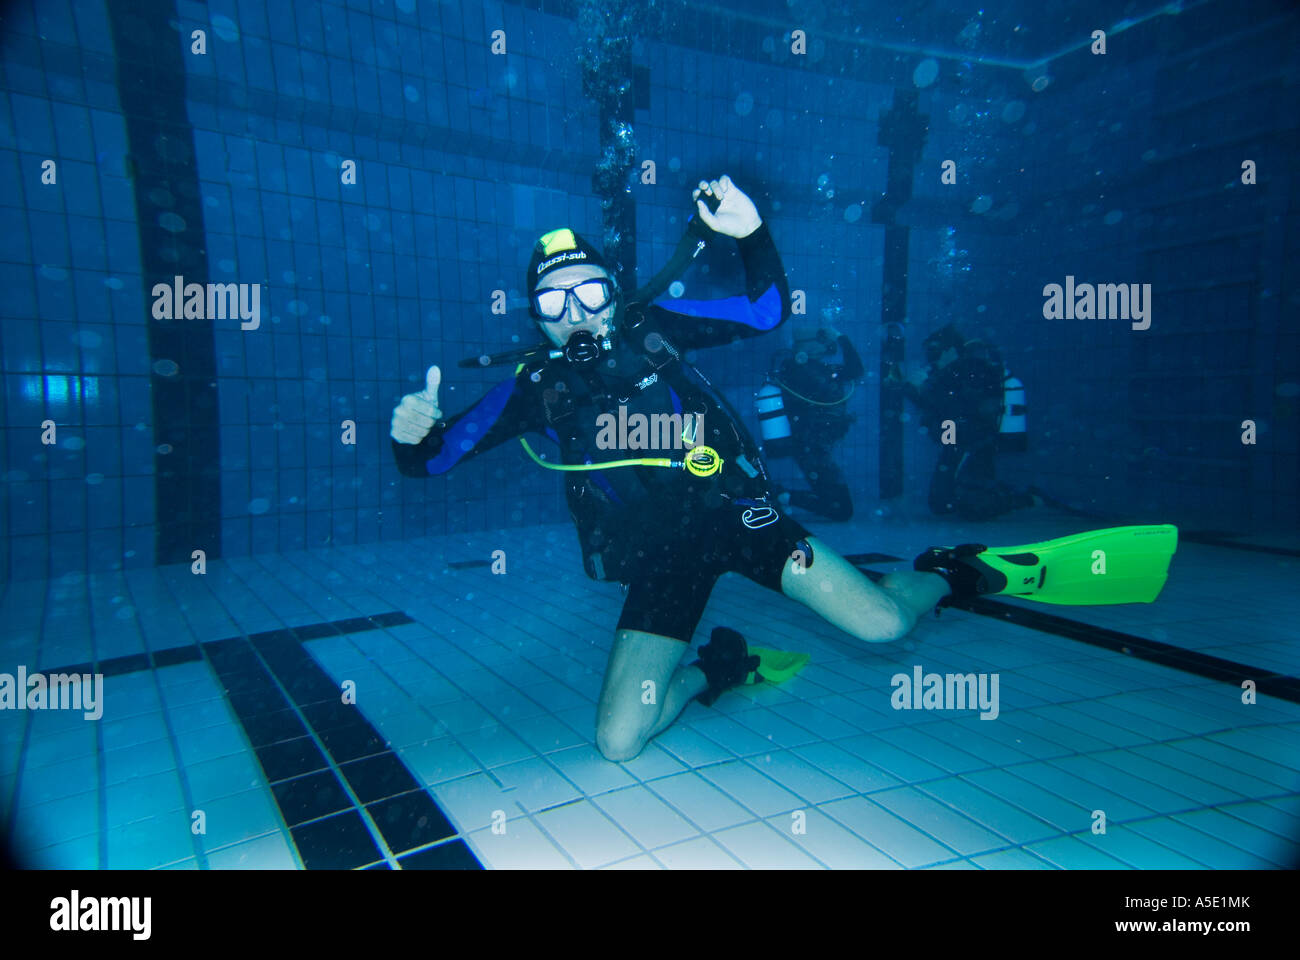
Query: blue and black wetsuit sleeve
(503, 414)
(764, 306)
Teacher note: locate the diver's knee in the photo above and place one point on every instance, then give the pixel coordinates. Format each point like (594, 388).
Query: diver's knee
(619, 742)
(888, 623)
(899, 626)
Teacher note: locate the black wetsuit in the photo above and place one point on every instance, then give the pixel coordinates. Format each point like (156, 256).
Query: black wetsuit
(968, 391)
(815, 393)
(665, 533)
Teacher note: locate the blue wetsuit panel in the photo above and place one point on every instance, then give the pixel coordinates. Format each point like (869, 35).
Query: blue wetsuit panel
(471, 428)
(761, 314)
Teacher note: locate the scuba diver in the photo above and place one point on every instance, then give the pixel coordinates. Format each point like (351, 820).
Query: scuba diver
(967, 385)
(668, 527)
(801, 412)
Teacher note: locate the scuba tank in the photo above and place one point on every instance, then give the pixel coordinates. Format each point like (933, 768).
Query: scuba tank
(1012, 436)
(769, 403)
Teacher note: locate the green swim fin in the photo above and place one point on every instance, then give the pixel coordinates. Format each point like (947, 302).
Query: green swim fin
(1116, 565)
(776, 665)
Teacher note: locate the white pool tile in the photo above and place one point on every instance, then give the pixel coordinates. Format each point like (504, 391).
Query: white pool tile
(522, 846)
(650, 821)
(586, 834)
(761, 847)
(893, 836)
(534, 784)
(701, 854)
(701, 802)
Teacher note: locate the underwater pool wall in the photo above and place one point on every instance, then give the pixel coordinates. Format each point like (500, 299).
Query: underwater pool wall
(462, 158)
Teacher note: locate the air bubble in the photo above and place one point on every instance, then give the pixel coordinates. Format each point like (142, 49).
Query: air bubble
(926, 72)
(225, 28)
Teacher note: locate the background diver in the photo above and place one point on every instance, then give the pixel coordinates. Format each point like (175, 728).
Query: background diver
(667, 529)
(802, 411)
(966, 383)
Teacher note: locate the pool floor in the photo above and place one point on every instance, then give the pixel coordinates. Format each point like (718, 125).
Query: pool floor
(225, 741)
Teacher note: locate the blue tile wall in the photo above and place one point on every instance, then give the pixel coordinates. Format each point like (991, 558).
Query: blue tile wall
(73, 346)
(463, 158)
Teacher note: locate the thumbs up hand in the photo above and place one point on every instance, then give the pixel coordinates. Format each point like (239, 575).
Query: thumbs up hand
(415, 416)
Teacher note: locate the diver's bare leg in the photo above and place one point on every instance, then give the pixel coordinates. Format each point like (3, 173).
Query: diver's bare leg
(839, 592)
(646, 687)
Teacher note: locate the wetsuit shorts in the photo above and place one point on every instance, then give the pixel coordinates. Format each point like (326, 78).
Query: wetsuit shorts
(670, 583)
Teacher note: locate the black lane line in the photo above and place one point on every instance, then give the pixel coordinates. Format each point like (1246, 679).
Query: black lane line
(325, 824)
(860, 558)
(1280, 685)
(1211, 538)
(170, 656)
(135, 662)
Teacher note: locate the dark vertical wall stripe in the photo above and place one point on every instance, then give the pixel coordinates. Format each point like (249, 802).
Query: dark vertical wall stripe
(169, 211)
(903, 130)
